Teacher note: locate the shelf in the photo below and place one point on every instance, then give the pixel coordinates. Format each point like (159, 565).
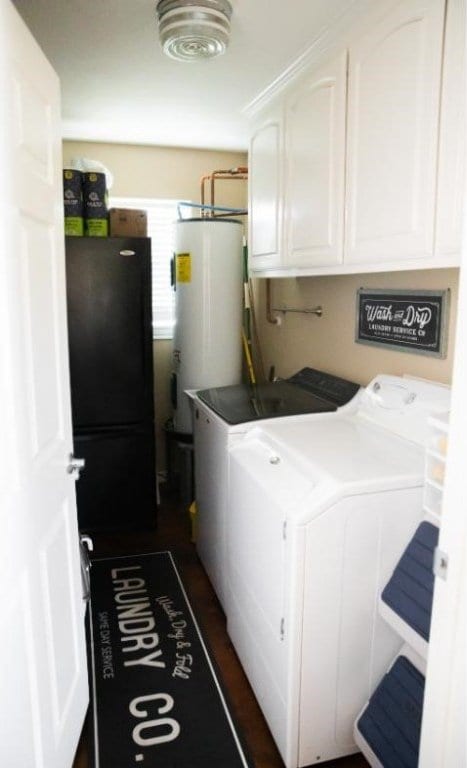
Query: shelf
(436, 455)
(438, 443)
(389, 728)
(435, 463)
(432, 499)
(440, 421)
(406, 601)
(435, 484)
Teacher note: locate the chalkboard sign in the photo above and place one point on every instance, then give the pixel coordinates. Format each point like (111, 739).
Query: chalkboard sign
(410, 321)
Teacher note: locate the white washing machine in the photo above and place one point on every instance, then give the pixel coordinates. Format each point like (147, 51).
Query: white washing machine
(320, 509)
(223, 415)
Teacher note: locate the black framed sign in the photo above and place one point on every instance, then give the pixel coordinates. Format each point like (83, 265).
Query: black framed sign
(410, 321)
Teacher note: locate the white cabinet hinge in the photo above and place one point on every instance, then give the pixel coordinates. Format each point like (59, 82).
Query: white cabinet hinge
(282, 633)
(440, 564)
(284, 529)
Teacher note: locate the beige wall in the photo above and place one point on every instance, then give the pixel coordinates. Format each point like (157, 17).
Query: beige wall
(328, 342)
(300, 340)
(166, 172)
(141, 171)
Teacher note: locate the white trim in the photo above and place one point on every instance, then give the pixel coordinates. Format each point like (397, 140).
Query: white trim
(328, 41)
(443, 739)
(94, 689)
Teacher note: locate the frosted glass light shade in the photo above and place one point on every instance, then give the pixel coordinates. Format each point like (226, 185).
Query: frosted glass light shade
(192, 30)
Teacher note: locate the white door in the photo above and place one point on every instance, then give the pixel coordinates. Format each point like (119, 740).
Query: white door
(393, 114)
(43, 683)
(315, 151)
(452, 143)
(443, 738)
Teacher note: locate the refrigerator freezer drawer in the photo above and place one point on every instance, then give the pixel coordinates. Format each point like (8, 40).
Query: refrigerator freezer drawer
(117, 489)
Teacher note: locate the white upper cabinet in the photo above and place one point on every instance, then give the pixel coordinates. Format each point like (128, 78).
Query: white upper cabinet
(359, 166)
(393, 114)
(265, 192)
(452, 135)
(315, 162)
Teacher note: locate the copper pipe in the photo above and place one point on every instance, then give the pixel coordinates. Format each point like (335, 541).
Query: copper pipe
(203, 179)
(240, 173)
(229, 174)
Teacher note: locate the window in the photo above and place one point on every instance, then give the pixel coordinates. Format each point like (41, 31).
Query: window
(162, 215)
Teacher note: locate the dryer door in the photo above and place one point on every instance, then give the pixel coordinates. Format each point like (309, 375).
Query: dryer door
(264, 491)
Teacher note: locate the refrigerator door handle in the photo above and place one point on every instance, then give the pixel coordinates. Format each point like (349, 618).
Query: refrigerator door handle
(75, 466)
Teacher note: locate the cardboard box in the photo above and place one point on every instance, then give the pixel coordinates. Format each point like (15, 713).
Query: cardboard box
(128, 222)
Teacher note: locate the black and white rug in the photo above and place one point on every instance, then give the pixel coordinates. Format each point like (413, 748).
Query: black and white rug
(157, 702)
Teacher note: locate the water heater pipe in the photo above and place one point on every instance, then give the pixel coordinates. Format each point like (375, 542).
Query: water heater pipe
(233, 174)
(269, 316)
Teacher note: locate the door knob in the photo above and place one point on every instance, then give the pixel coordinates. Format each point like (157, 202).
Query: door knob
(75, 466)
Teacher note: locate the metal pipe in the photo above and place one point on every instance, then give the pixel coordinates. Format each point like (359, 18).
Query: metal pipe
(220, 177)
(239, 173)
(269, 316)
(312, 311)
(226, 211)
(203, 179)
(318, 311)
(229, 174)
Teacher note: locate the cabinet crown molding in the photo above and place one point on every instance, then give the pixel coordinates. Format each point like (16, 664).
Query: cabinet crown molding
(328, 40)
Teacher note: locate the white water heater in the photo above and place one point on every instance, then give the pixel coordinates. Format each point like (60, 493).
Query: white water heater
(208, 310)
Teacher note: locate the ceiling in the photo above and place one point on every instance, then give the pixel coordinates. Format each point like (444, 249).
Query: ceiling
(118, 86)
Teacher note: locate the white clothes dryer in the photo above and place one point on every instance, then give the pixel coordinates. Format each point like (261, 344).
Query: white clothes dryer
(320, 509)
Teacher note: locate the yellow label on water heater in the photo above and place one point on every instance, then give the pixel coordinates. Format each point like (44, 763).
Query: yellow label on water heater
(183, 270)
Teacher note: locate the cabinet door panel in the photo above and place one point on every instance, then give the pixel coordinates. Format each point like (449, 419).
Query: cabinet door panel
(452, 135)
(394, 88)
(315, 140)
(266, 194)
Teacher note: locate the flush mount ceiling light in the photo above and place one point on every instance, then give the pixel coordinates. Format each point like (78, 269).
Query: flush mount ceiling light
(190, 30)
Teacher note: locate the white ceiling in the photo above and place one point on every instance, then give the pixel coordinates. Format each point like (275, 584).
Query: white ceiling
(117, 85)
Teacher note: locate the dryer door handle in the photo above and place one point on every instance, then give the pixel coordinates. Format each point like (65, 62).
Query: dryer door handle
(392, 396)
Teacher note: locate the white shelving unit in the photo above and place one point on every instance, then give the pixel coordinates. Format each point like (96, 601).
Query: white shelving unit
(415, 642)
(435, 465)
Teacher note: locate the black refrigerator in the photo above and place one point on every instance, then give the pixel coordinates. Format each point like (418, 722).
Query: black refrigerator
(111, 371)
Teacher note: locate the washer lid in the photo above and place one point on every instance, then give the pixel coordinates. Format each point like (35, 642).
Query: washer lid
(341, 450)
(243, 403)
(307, 391)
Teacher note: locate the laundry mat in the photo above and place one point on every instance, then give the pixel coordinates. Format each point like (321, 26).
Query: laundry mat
(157, 702)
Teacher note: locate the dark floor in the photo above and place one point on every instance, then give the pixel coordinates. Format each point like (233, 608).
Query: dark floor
(173, 532)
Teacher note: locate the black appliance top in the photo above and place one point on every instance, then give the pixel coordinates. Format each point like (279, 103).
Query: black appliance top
(308, 391)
